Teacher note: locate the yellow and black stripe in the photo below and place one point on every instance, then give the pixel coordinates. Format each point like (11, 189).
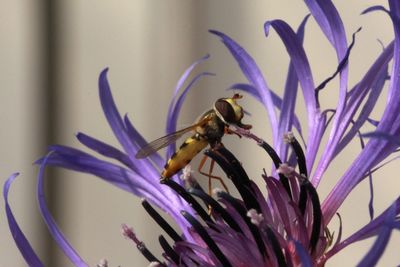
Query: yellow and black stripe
(187, 151)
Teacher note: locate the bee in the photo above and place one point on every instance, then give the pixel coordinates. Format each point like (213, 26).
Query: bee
(208, 129)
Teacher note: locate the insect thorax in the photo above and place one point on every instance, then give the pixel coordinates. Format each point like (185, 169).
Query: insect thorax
(213, 130)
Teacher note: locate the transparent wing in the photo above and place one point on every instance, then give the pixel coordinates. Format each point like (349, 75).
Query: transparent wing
(164, 141)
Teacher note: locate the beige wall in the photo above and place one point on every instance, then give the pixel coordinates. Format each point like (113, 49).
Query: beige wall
(147, 45)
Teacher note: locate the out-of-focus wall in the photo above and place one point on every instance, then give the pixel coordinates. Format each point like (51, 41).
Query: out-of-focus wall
(22, 134)
(147, 45)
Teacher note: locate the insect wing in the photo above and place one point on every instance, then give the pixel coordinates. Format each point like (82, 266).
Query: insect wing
(159, 143)
(164, 141)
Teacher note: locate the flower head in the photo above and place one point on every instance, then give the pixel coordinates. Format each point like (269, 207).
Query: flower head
(288, 226)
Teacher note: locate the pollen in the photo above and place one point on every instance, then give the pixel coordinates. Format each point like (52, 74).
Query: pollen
(285, 169)
(255, 217)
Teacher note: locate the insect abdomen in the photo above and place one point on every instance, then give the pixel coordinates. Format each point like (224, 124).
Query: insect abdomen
(187, 151)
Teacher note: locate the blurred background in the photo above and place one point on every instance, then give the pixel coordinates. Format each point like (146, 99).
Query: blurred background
(51, 55)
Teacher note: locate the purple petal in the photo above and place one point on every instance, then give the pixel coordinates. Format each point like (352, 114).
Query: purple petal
(254, 75)
(302, 252)
(356, 97)
(287, 117)
(139, 140)
(52, 225)
(371, 229)
(331, 24)
(279, 199)
(304, 75)
(382, 135)
(123, 178)
(180, 83)
(377, 249)
(373, 122)
(175, 110)
(118, 127)
(22, 243)
(372, 83)
(299, 60)
(104, 149)
(375, 8)
(376, 149)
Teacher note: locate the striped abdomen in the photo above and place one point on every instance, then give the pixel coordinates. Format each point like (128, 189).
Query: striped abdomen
(188, 150)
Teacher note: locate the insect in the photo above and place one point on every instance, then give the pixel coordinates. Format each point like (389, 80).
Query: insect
(208, 129)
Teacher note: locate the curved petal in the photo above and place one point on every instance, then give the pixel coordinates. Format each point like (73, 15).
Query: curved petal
(22, 243)
(376, 251)
(56, 233)
(376, 149)
(299, 71)
(104, 149)
(118, 127)
(254, 75)
(173, 116)
(372, 82)
(331, 25)
(180, 83)
(137, 138)
(123, 178)
(373, 228)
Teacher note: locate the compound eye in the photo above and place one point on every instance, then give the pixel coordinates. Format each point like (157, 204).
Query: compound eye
(226, 110)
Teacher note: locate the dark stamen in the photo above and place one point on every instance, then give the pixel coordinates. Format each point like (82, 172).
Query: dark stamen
(317, 218)
(301, 158)
(301, 161)
(339, 68)
(189, 199)
(128, 232)
(317, 215)
(271, 152)
(147, 254)
(233, 169)
(303, 199)
(206, 238)
(169, 251)
(160, 220)
(242, 212)
(276, 247)
(216, 207)
(277, 162)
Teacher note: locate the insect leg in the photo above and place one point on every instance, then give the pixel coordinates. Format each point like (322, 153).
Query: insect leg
(209, 175)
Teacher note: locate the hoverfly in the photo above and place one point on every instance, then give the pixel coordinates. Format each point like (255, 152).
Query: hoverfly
(209, 128)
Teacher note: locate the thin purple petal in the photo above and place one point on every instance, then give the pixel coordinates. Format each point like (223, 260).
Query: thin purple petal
(58, 236)
(369, 230)
(377, 249)
(104, 149)
(175, 110)
(139, 140)
(118, 127)
(375, 8)
(254, 75)
(376, 149)
(22, 243)
(180, 83)
(287, 116)
(371, 85)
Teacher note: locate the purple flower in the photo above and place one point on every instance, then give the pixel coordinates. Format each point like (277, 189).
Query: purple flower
(289, 225)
